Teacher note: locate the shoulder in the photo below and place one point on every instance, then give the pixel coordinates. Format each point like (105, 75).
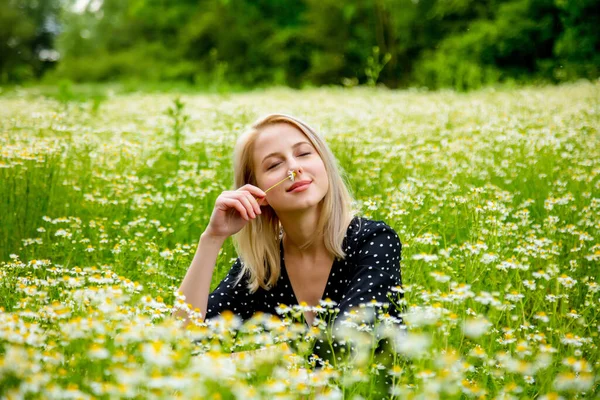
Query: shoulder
(364, 233)
(362, 228)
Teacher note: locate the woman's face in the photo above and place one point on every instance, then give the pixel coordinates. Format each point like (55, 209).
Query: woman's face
(279, 148)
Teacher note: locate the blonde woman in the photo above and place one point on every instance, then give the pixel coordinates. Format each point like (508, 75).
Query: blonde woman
(298, 240)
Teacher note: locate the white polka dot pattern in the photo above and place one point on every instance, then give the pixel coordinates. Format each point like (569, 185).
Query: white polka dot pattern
(371, 268)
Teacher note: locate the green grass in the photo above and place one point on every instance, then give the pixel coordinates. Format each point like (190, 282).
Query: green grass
(495, 196)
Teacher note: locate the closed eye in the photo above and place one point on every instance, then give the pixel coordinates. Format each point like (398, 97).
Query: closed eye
(300, 155)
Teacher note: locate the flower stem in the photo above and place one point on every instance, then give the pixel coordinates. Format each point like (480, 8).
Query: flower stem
(290, 176)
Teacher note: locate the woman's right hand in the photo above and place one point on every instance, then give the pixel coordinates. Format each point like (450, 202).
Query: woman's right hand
(233, 210)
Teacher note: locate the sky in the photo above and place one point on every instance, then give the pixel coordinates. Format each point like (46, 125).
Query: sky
(80, 5)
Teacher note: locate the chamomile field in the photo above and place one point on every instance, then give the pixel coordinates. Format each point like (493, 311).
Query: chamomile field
(495, 196)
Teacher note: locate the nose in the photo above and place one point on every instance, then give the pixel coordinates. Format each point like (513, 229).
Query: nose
(298, 170)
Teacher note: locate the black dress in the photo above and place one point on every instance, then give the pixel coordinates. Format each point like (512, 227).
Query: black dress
(369, 271)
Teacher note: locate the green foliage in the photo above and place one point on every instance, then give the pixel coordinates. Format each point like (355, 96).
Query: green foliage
(178, 123)
(220, 46)
(577, 47)
(458, 61)
(66, 93)
(26, 38)
(510, 45)
(374, 66)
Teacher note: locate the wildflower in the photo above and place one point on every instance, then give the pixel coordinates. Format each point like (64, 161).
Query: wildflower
(551, 298)
(593, 257)
(98, 352)
(552, 396)
(439, 276)
(475, 327)
(328, 303)
(541, 274)
(569, 381)
(514, 296)
(158, 353)
(116, 249)
(570, 339)
(488, 258)
(226, 321)
(283, 309)
(477, 352)
(397, 289)
(166, 254)
(576, 364)
(290, 176)
(507, 338)
(303, 306)
(567, 281)
(179, 295)
(425, 257)
(541, 316)
(373, 304)
(426, 374)
(487, 298)
(529, 284)
(411, 344)
(546, 348)
(593, 287)
(471, 388)
(423, 316)
(375, 368)
(522, 348)
(573, 314)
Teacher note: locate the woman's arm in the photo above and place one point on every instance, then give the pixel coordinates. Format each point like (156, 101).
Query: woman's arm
(232, 294)
(196, 284)
(232, 211)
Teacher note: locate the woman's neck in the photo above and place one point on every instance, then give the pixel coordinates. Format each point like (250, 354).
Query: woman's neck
(299, 228)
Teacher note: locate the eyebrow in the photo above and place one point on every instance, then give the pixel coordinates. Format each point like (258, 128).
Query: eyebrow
(275, 153)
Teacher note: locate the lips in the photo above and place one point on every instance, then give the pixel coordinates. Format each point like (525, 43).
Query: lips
(297, 184)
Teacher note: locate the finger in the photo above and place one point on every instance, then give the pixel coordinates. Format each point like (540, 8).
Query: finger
(234, 203)
(243, 198)
(255, 190)
(254, 203)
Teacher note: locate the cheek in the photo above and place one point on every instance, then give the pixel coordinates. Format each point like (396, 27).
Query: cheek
(322, 173)
(260, 180)
(265, 181)
(326, 183)
(321, 168)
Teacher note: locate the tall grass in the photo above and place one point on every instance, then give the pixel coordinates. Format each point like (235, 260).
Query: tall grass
(494, 194)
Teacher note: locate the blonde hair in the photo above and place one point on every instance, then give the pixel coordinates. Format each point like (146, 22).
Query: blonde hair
(257, 244)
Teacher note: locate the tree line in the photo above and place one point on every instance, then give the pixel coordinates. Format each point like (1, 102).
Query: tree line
(463, 44)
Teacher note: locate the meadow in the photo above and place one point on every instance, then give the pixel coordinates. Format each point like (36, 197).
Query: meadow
(495, 196)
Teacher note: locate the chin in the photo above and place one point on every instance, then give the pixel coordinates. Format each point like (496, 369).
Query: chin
(301, 204)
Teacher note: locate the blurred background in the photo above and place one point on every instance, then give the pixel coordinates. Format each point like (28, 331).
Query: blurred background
(243, 44)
